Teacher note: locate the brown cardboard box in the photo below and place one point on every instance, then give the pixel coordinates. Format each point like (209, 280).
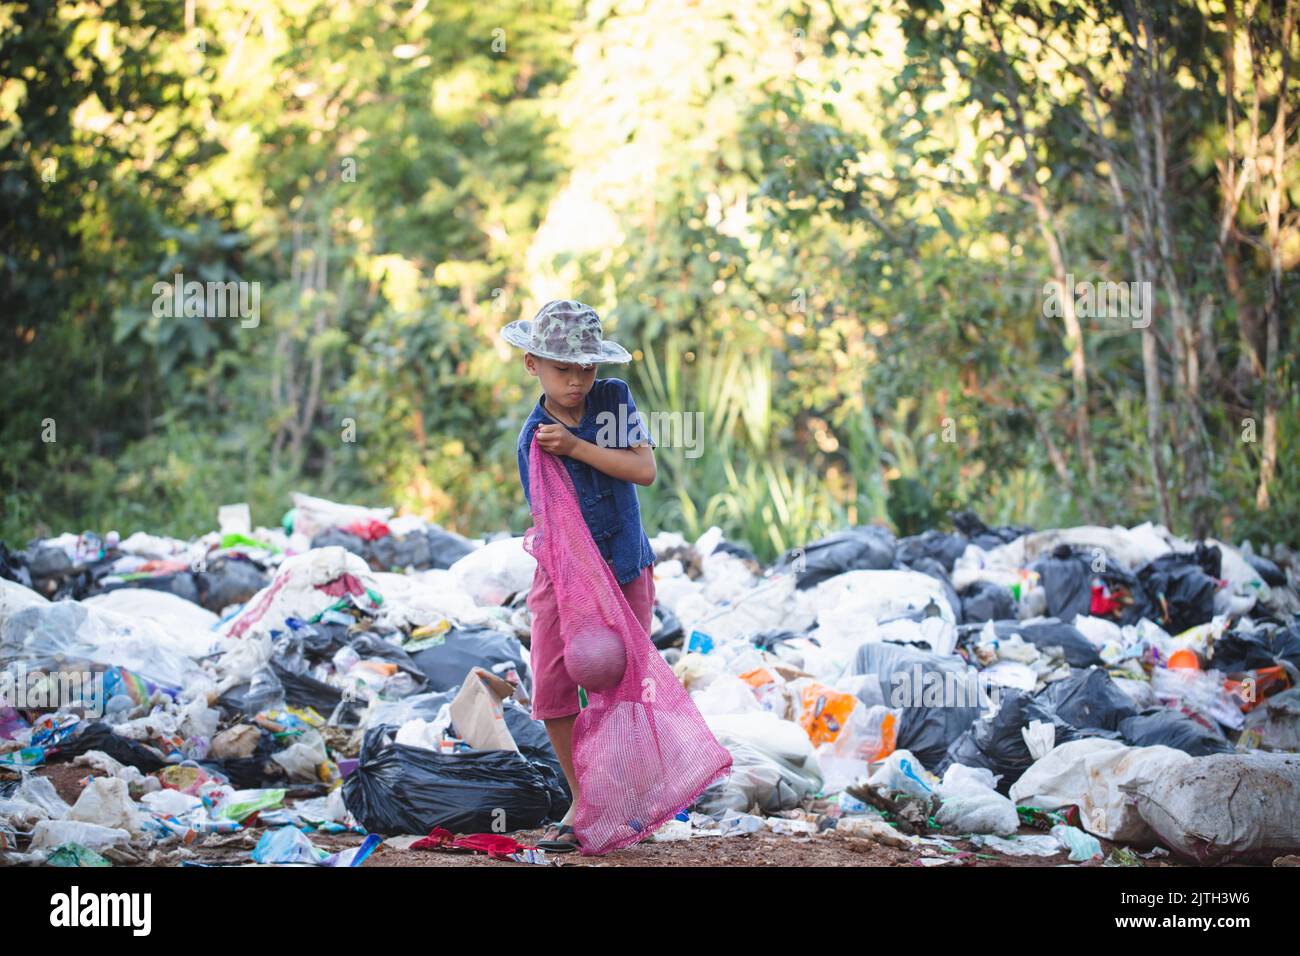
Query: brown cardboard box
(477, 713)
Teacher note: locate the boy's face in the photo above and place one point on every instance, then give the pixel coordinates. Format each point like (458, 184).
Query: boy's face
(565, 383)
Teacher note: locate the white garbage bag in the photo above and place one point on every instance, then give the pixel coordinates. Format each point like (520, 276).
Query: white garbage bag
(189, 626)
(14, 597)
(106, 801)
(1226, 807)
(49, 834)
(1094, 775)
(297, 591)
(314, 515)
(495, 571)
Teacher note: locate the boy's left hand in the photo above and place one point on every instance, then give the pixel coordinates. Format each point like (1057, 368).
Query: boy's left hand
(556, 439)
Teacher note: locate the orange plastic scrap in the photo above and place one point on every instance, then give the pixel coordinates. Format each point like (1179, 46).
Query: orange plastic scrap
(824, 712)
(381, 667)
(758, 677)
(1184, 660)
(889, 738)
(1252, 687)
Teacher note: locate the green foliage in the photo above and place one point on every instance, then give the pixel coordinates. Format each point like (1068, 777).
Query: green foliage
(811, 220)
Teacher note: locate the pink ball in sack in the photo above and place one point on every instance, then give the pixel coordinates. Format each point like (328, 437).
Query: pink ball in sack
(596, 658)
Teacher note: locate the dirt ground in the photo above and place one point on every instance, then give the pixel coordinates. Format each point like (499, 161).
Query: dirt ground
(829, 848)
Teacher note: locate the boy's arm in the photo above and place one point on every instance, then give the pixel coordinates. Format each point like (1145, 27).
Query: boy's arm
(630, 464)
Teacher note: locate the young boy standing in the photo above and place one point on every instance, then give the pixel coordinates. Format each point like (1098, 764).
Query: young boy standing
(594, 428)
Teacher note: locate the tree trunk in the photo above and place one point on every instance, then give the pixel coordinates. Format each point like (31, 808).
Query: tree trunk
(1268, 462)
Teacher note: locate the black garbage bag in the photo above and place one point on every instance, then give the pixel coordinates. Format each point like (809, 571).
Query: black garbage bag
(338, 538)
(1067, 582)
(1088, 699)
(393, 553)
(1265, 568)
(321, 641)
(866, 547)
(45, 561)
(232, 579)
(400, 789)
(669, 633)
(535, 743)
(252, 772)
(1079, 651)
(1208, 558)
(932, 568)
(986, 601)
(445, 548)
(739, 550)
(1043, 634)
(13, 567)
(446, 664)
(180, 583)
(1241, 650)
(938, 696)
(303, 690)
(1068, 575)
(1178, 592)
(100, 736)
(982, 536)
(1172, 728)
(996, 742)
(944, 548)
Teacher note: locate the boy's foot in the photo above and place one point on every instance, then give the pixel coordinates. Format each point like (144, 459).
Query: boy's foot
(559, 838)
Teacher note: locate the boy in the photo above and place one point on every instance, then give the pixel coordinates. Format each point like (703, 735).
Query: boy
(574, 419)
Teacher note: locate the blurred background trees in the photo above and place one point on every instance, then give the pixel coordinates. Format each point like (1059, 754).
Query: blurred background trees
(831, 228)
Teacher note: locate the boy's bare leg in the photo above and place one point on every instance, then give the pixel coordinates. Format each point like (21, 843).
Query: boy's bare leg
(560, 730)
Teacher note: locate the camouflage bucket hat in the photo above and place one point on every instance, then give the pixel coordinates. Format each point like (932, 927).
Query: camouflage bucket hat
(565, 331)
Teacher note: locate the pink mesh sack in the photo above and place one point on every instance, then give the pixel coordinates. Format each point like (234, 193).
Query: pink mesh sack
(641, 750)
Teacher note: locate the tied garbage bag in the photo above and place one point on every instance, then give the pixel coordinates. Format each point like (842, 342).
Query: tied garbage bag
(972, 805)
(1097, 776)
(398, 788)
(1180, 588)
(1226, 807)
(938, 696)
(987, 601)
(865, 547)
(1089, 699)
(641, 750)
(940, 547)
(106, 802)
(999, 744)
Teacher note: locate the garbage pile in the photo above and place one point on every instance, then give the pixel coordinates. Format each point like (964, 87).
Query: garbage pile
(357, 673)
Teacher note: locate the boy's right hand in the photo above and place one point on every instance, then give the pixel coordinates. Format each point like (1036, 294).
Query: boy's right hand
(556, 439)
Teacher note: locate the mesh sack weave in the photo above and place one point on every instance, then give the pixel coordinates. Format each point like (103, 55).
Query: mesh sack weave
(641, 750)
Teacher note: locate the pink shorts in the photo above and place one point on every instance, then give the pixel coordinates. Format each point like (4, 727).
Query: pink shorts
(554, 692)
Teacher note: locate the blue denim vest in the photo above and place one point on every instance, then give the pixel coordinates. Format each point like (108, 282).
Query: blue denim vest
(609, 505)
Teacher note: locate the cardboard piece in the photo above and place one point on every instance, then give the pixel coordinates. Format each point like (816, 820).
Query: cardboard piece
(477, 713)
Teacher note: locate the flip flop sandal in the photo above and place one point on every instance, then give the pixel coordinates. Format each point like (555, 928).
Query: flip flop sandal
(557, 845)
